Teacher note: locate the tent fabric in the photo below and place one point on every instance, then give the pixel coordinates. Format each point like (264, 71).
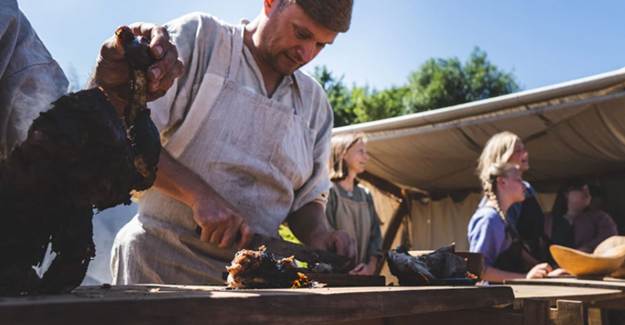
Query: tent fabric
(577, 128)
(436, 223)
(571, 129)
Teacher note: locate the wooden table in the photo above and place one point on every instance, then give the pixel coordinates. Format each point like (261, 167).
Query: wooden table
(606, 283)
(533, 305)
(589, 308)
(163, 304)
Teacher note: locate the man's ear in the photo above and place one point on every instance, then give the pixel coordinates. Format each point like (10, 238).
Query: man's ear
(267, 6)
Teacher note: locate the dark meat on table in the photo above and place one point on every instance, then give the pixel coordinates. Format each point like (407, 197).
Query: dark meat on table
(78, 156)
(443, 263)
(260, 269)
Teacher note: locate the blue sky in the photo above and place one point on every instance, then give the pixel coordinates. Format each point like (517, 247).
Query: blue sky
(541, 42)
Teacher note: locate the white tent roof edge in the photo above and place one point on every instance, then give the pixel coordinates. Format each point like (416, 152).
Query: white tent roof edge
(489, 105)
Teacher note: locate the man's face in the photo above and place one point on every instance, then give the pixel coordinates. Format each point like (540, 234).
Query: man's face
(291, 39)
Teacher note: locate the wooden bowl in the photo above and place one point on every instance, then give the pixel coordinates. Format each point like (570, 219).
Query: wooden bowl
(580, 263)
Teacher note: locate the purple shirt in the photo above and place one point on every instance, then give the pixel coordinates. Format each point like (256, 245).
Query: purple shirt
(487, 234)
(591, 228)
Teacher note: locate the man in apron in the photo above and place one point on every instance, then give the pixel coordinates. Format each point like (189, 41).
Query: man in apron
(247, 140)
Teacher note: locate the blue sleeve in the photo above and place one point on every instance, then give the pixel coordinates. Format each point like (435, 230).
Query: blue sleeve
(487, 235)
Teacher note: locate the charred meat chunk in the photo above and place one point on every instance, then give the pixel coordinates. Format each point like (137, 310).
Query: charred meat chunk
(259, 269)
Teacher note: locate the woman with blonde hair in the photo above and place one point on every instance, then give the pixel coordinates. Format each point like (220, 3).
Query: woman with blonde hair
(526, 217)
(350, 206)
(490, 232)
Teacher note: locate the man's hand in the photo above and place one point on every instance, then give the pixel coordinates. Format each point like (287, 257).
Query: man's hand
(310, 225)
(336, 241)
(363, 269)
(366, 268)
(220, 223)
(112, 71)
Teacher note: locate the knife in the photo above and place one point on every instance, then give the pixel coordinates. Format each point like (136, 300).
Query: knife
(311, 256)
(282, 248)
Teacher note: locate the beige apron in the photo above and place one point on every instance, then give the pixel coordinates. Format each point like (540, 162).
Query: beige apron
(254, 151)
(354, 218)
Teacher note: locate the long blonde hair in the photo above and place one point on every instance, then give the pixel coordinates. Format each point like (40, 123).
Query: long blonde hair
(340, 145)
(489, 183)
(497, 151)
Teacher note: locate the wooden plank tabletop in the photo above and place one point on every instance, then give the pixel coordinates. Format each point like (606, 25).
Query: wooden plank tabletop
(167, 304)
(605, 283)
(527, 291)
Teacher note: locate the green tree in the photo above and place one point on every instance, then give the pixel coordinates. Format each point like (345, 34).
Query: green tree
(444, 82)
(437, 83)
(371, 105)
(339, 96)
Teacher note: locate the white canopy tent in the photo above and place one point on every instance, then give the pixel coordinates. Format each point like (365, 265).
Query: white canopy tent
(571, 129)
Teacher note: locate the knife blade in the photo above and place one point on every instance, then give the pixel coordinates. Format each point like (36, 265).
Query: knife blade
(282, 248)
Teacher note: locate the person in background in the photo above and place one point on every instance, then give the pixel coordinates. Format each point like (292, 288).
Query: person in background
(526, 217)
(490, 231)
(350, 206)
(574, 223)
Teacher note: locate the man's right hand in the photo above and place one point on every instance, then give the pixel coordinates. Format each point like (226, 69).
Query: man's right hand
(220, 223)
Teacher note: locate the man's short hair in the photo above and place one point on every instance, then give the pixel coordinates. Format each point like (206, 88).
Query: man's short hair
(335, 15)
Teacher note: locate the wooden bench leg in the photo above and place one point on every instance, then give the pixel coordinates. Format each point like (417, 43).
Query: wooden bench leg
(570, 312)
(536, 312)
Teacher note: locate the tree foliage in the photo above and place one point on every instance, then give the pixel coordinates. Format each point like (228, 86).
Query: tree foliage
(437, 83)
(440, 83)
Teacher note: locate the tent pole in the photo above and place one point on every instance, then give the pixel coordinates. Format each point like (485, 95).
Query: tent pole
(402, 211)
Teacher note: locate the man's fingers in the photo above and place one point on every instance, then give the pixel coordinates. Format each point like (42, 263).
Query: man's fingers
(112, 69)
(168, 80)
(230, 234)
(157, 35)
(357, 269)
(164, 71)
(112, 49)
(246, 235)
(217, 235)
(142, 29)
(205, 235)
(159, 42)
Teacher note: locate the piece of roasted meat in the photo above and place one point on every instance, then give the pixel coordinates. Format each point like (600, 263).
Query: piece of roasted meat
(79, 156)
(443, 263)
(259, 269)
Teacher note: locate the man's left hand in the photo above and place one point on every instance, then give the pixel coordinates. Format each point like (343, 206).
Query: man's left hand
(336, 241)
(112, 71)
